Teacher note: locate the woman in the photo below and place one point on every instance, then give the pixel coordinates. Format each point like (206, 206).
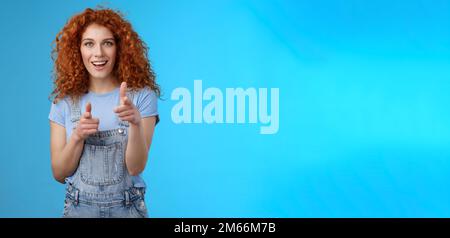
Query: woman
(103, 115)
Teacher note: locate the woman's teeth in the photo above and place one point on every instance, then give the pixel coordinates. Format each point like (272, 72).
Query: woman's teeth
(99, 63)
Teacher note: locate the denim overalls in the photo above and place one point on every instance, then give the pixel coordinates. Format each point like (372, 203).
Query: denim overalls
(101, 186)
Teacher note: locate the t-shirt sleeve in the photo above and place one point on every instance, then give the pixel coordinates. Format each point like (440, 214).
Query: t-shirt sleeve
(57, 113)
(147, 103)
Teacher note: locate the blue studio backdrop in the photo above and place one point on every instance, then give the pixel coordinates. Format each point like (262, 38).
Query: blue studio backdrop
(362, 91)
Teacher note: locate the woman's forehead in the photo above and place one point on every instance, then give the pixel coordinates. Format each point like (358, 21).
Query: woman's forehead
(97, 32)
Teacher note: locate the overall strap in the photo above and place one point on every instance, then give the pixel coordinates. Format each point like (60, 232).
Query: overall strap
(75, 111)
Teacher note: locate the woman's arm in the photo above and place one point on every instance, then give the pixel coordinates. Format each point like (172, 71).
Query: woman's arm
(139, 141)
(64, 157)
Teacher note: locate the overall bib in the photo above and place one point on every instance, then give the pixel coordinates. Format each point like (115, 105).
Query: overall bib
(101, 186)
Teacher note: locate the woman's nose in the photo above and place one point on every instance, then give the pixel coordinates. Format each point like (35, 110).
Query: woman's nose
(98, 51)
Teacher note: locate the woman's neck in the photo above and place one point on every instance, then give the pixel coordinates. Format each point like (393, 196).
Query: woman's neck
(103, 85)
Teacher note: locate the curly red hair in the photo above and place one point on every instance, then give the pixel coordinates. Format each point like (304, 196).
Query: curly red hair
(132, 64)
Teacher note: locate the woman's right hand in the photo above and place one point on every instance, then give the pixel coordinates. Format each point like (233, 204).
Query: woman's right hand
(87, 124)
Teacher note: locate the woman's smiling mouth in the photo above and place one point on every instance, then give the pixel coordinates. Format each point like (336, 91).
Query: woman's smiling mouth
(99, 65)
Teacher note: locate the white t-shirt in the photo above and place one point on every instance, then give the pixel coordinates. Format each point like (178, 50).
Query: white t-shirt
(102, 106)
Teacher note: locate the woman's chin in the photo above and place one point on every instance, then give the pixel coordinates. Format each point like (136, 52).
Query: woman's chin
(100, 75)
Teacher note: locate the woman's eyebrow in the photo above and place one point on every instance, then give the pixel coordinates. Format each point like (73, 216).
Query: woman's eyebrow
(90, 39)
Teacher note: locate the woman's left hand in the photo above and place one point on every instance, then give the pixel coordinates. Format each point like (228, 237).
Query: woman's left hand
(126, 111)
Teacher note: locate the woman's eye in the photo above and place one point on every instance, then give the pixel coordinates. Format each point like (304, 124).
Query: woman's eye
(109, 43)
(88, 44)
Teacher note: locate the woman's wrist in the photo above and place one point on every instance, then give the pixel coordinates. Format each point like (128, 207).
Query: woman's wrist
(135, 125)
(76, 138)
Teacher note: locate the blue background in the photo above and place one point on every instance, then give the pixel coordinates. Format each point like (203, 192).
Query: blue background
(364, 116)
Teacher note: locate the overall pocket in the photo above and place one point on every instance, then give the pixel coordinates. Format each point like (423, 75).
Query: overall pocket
(68, 206)
(140, 207)
(102, 164)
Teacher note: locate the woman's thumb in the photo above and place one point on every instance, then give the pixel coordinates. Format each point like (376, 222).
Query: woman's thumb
(87, 114)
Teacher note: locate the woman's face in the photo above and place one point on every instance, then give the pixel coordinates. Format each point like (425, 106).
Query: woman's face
(98, 50)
